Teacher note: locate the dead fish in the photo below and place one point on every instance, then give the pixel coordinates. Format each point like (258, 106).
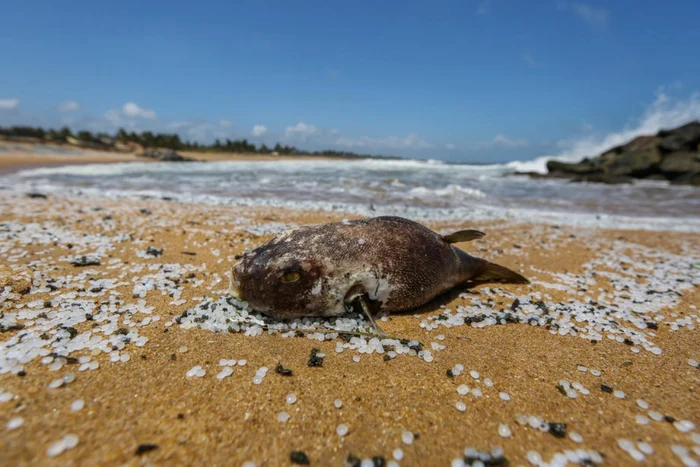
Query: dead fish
(384, 263)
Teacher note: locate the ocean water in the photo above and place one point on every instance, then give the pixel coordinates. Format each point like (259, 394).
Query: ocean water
(423, 190)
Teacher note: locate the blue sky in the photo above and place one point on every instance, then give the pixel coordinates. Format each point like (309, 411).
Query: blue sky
(466, 80)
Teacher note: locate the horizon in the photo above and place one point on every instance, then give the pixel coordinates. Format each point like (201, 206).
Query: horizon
(561, 78)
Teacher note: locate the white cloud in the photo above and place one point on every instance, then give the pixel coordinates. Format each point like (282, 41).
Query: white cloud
(450, 147)
(177, 125)
(595, 16)
(259, 130)
(9, 104)
(68, 106)
(302, 131)
(410, 141)
(125, 117)
(502, 141)
(130, 109)
(225, 123)
(528, 59)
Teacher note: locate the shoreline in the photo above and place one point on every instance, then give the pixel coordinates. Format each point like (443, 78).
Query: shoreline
(14, 160)
(146, 397)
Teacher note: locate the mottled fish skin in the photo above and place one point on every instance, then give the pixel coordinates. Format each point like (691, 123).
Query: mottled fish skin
(399, 263)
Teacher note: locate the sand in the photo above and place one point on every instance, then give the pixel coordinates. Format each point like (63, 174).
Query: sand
(205, 421)
(17, 156)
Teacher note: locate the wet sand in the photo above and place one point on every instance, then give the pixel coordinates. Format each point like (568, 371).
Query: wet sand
(148, 399)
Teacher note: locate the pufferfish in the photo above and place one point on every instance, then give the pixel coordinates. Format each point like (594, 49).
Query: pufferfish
(386, 264)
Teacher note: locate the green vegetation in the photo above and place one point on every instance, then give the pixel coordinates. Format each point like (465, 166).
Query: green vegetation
(148, 139)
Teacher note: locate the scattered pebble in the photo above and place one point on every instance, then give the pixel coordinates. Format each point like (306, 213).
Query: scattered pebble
(196, 372)
(77, 405)
(224, 373)
(59, 447)
(15, 423)
(341, 430)
(504, 431)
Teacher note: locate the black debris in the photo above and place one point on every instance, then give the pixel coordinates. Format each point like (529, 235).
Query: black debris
(352, 461)
(605, 388)
(282, 370)
(145, 447)
(11, 327)
(37, 196)
(85, 261)
(314, 359)
(154, 251)
(299, 457)
(378, 461)
(557, 429)
(71, 330)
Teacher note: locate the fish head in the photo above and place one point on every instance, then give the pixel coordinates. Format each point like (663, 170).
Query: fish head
(284, 279)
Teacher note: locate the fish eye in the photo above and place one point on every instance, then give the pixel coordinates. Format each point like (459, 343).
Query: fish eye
(290, 276)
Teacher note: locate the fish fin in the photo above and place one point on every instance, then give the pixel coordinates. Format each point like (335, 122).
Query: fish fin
(463, 236)
(366, 311)
(356, 298)
(495, 273)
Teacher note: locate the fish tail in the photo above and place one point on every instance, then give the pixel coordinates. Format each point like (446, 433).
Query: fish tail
(496, 273)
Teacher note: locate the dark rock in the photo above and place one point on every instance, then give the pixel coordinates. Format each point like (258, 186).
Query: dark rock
(165, 155)
(687, 179)
(670, 155)
(680, 163)
(684, 138)
(37, 196)
(639, 162)
(583, 167)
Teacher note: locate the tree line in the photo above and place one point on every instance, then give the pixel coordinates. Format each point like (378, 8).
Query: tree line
(148, 139)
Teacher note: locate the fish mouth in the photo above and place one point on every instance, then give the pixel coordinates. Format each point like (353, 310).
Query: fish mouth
(353, 293)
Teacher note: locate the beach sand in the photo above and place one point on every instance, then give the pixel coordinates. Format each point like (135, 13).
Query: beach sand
(17, 156)
(207, 421)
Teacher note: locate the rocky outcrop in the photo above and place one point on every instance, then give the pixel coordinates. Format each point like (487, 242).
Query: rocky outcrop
(669, 155)
(165, 155)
